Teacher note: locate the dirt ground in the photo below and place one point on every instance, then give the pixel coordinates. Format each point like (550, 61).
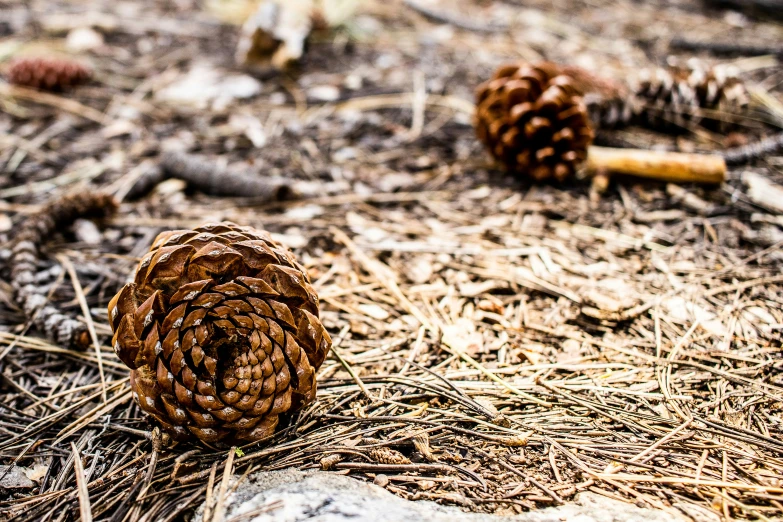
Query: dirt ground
(516, 344)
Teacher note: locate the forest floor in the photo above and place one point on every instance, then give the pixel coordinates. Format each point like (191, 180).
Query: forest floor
(518, 343)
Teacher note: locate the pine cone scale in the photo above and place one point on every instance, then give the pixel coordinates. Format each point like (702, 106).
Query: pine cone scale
(240, 343)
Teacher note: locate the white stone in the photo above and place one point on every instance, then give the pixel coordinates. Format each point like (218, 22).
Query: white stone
(293, 496)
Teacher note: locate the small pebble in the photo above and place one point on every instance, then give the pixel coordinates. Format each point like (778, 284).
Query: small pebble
(87, 232)
(83, 39)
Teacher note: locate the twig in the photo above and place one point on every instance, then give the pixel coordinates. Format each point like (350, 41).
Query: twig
(81, 486)
(454, 20)
(352, 373)
(64, 104)
(754, 151)
(207, 177)
(218, 181)
(513, 389)
(219, 513)
(87, 318)
(724, 47)
(375, 467)
(687, 480)
(665, 166)
(208, 501)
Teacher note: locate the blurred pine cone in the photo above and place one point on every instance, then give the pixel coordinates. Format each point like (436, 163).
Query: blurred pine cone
(52, 74)
(678, 97)
(609, 103)
(532, 119)
(221, 331)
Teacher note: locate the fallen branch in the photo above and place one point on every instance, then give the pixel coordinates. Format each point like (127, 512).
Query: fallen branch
(211, 179)
(218, 181)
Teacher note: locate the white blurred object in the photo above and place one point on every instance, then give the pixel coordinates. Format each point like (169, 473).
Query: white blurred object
(83, 39)
(250, 126)
(275, 35)
(204, 84)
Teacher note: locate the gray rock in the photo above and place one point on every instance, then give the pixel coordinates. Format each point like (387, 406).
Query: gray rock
(295, 496)
(13, 477)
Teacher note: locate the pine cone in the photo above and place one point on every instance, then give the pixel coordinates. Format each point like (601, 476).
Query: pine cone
(57, 214)
(532, 119)
(675, 97)
(220, 329)
(53, 74)
(609, 103)
(719, 90)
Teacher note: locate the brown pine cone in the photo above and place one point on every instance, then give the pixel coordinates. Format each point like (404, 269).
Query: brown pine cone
(220, 329)
(675, 97)
(532, 120)
(609, 103)
(719, 90)
(52, 74)
(667, 97)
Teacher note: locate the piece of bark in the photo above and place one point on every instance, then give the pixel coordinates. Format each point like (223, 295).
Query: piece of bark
(689, 200)
(214, 180)
(763, 192)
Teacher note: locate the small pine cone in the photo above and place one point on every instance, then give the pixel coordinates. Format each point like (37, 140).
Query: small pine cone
(532, 120)
(675, 97)
(719, 90)
(220, 329)
(609, 103)
(667, 99)
(52, 74)
(385, 455)
(25, 253)
(609, 112)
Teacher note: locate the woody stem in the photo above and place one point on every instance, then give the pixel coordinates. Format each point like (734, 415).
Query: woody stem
(675, 167)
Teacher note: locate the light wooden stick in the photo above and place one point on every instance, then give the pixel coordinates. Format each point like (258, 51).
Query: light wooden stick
(674, 167)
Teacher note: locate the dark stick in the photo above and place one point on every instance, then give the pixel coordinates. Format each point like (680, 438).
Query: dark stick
(211, 179)
(754, 151)
(218, 181)
(454, 20)
(725, 48)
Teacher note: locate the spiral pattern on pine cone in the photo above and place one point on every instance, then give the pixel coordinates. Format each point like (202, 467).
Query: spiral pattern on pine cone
(53, 74)
(532, 119)
(221, 331)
